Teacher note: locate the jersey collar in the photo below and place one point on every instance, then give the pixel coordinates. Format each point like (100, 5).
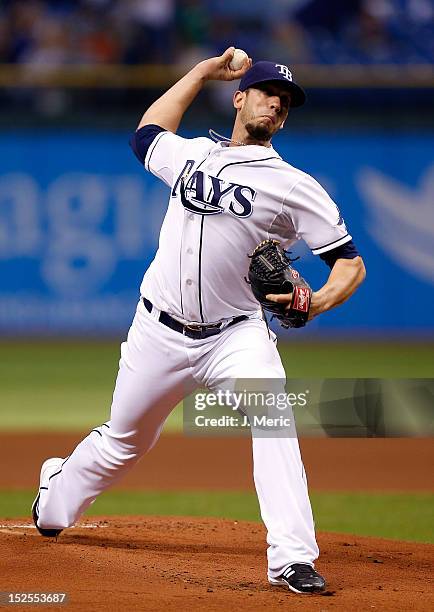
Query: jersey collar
(223, 143)
(255, 151)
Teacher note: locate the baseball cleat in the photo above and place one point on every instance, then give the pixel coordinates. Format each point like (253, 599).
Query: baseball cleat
(49, 467)
(300, 578)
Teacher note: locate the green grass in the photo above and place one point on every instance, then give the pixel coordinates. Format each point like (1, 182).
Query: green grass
(68, 385)
(398, 516)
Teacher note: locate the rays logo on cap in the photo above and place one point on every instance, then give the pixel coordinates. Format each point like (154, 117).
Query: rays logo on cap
(284, 71)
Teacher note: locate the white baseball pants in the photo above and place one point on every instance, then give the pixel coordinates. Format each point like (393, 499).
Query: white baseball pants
(157, 368)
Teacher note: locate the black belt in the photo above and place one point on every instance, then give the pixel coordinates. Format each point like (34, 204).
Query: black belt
(192, 330)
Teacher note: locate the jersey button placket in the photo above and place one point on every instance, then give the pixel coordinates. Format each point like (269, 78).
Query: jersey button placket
(190, 266)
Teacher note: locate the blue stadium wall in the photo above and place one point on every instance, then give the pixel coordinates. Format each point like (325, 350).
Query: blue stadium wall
(79, 223)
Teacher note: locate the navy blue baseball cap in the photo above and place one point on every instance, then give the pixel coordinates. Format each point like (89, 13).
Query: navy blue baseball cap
(269, 71)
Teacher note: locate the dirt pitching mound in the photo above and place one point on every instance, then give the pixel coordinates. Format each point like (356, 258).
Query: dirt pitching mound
(138, 563)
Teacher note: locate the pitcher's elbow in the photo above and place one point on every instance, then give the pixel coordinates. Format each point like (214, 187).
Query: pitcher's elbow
(361, 270)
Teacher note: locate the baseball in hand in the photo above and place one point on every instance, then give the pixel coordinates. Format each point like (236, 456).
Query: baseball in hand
(238, 60)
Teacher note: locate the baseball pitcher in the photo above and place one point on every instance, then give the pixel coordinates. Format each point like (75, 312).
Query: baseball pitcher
(198, 321)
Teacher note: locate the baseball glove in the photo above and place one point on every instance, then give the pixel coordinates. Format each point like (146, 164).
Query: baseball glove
(270, 271)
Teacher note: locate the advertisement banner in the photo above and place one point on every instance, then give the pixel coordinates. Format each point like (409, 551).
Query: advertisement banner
(79, 224)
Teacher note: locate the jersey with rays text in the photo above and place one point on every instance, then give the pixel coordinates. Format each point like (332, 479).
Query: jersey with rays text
(224, 200)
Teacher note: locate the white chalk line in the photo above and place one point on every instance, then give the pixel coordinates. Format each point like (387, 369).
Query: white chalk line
(79, 526)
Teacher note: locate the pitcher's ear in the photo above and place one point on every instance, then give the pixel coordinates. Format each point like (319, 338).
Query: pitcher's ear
(238, 99)
(282, 126)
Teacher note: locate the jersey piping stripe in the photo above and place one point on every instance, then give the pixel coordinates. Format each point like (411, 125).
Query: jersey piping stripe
(154, 144)
(180, 276)
(200, 270)
(200, 258)
(335, 243)
(247, 161)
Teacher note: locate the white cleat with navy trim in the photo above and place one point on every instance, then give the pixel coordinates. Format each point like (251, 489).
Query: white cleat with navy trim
(48, 469)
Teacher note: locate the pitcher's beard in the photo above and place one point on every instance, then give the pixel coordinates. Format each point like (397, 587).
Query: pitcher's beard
(259, 131)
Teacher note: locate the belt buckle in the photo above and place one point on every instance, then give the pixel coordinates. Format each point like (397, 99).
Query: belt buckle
(195, 327)
(202, 329)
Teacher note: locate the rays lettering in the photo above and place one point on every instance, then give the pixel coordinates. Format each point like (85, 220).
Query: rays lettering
(205, 194)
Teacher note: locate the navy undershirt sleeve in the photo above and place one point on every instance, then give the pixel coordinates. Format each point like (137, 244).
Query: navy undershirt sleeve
(142, 139)
(346, 251)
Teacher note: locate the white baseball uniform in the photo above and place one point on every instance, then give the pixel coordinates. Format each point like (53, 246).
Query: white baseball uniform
(224, 200)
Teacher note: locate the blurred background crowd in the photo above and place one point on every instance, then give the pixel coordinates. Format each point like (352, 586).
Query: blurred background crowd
(84, 61)
(59, 32)
(79, 219)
